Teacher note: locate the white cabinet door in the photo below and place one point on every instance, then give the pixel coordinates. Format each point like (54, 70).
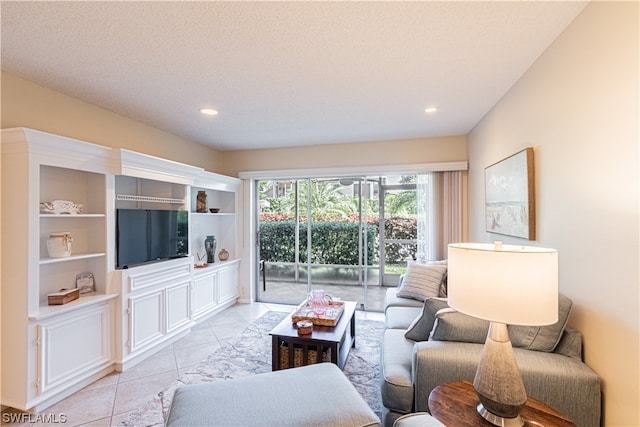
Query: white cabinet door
(178, 305)
(158, 298)
(145, 319)
(73, 346)
(205, 295)
(227, 283)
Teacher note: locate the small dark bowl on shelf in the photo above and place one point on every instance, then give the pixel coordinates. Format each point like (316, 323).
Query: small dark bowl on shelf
(214, 210)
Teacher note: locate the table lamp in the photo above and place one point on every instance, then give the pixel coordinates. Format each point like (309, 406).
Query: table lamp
(505, 284)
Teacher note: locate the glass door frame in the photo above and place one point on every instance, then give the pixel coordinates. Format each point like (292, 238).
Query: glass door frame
(362, 265)
(382, 237)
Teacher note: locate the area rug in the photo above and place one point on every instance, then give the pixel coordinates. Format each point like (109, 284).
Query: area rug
(250, 353)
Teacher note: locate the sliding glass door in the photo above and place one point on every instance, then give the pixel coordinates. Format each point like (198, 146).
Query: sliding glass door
(335, 234)
(310, 237)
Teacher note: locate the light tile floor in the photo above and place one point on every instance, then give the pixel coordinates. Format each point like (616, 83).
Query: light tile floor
(109, 400)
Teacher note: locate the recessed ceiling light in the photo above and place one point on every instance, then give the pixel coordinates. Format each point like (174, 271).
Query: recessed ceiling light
(430, 110)
(209, 111)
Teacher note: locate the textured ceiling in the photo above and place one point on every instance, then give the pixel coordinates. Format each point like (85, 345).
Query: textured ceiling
(283, 73)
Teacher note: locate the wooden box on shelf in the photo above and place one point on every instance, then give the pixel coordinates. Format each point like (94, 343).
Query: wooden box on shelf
(64, 296)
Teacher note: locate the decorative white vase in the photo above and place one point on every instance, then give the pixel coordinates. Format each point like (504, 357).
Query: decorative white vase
(59, 244)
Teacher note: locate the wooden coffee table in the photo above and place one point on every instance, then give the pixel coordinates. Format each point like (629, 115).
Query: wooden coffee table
(337, 340)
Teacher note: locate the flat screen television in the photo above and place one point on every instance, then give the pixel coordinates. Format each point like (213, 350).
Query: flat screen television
(146, 235)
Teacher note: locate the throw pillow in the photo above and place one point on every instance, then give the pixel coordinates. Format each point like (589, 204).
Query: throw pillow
(542, 338)
(421, 281)
(452, 325)
(443, 287)
(422, 325)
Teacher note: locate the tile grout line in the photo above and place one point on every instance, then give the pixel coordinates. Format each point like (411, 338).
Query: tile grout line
(113, 404)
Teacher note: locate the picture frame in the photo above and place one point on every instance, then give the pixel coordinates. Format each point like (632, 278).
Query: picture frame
(86, 283)
(510, 196)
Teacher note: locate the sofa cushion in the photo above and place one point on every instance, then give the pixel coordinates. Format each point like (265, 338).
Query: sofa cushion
(395, 364)
(391, 299)
(422, 281)
(421, 327)
(401, 317)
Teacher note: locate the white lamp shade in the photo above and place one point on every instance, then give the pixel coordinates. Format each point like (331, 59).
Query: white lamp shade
(510, 284)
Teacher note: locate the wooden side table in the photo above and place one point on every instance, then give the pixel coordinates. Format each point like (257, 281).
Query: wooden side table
(455, 403)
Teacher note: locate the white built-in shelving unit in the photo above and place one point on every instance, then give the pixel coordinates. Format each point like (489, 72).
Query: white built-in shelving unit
(214, 285)
(222, 193)
(155, 299)
(51, 351)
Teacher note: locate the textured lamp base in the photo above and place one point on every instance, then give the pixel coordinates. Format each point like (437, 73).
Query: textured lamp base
(499, 421)
(498, 382)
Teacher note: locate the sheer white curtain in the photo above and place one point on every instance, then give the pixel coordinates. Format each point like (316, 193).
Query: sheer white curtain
(439, 197)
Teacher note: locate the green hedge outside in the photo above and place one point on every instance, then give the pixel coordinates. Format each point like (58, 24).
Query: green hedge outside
(334, 242)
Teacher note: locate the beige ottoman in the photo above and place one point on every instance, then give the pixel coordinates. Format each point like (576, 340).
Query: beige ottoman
(310, 396)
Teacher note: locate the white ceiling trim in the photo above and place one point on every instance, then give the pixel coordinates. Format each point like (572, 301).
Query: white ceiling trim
(350, 171)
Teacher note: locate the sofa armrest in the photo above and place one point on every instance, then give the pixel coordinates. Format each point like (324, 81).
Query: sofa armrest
(393, 300)
(438, 362)
(570, 344)
(562, 382)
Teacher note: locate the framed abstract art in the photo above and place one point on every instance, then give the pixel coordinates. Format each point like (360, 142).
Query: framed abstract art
(510, 207)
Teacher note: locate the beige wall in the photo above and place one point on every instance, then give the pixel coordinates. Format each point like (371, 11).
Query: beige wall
(401, 152)
(578, 106)
(26, 104)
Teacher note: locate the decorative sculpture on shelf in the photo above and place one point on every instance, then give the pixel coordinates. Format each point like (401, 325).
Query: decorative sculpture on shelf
(201, 202)
(201, 260)
(61, 207)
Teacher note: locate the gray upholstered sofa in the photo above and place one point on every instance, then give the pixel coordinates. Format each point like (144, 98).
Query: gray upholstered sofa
(445, 345)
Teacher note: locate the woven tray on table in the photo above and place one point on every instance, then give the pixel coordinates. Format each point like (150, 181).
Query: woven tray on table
(321, 354)
(330, 318)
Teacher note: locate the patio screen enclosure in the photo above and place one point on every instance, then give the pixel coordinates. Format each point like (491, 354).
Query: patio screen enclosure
(351, 236)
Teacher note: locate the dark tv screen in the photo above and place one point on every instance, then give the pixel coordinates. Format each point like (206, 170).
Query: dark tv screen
(146, 235)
